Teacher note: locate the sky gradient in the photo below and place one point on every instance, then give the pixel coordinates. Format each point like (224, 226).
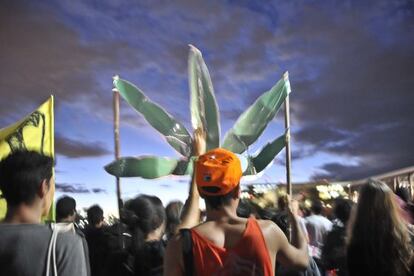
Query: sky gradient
(351, 66)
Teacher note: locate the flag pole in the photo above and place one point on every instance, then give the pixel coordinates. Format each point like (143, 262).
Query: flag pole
(287, 128)
(117, 148)
(288, 154)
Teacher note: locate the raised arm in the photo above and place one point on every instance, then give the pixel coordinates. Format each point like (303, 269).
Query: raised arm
(190, 216)
(296, 253)
(191, 211)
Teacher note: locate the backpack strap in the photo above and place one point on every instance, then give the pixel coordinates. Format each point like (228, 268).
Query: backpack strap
(187, 245)
(51, 253)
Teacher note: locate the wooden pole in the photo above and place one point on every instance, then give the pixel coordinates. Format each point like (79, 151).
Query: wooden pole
(117, 148)
(288, 154)
(410, 183)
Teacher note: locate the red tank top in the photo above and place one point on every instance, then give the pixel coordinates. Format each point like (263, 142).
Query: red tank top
(248, 257)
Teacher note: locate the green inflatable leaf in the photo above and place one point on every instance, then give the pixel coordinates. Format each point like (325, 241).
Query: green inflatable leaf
(250, 170)
(251, 123)
(184, 167)
(148, 167)
(266, 155)
(175, 133)
(203, 105)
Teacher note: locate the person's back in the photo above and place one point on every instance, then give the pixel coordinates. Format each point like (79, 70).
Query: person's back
(232, 247)
(227, 244)
(97, 240)
(25, 245)
(317, 227)
(24, 248)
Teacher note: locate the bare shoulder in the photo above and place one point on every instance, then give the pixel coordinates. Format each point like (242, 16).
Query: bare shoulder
(271, 232)
(268, 226)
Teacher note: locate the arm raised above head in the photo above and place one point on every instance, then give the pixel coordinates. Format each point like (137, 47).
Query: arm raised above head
(191, 211)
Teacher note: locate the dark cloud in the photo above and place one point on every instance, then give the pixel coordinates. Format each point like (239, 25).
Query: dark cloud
(98, 190)
(42, 56)
(78, 149)
(71, 188)
(338, 171)
(358, 101)
(320, 135)
(350, 64)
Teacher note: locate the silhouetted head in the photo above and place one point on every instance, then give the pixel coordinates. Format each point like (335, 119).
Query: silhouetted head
(66, 209)
(95, 216)
(317, 207)
(342, 209)
(282, 202)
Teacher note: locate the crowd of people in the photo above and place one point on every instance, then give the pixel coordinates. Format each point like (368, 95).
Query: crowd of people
(232, 237)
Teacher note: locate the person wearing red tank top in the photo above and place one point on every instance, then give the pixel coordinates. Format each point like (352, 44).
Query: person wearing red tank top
(226, 244)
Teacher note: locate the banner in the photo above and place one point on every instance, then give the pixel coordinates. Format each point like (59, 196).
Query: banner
(34, 132)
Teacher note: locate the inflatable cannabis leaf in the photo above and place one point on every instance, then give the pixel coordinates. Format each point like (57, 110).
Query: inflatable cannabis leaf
(205, 116)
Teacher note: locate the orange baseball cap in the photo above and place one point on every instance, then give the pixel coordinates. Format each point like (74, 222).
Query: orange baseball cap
(218, 172)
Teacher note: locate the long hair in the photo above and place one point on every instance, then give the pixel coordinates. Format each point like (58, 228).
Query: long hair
(146, 214)
(379, 242)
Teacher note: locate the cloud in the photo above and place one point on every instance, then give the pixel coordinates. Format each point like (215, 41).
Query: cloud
(338, 171)
(41, 55)
(319, 135)
(77, 149)
(98, 190)
(71, 188)
(357, 100)
(350, 64)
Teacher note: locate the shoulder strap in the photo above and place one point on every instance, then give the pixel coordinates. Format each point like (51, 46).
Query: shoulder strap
(187, 245)
(51, 253)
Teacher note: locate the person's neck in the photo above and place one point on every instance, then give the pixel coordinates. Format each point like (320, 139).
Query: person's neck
(23, 214)
(223, 214)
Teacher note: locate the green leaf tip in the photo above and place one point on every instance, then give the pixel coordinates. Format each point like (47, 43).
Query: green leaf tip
(194, 49)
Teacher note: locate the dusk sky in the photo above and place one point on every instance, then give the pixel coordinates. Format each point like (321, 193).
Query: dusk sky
(351, 66)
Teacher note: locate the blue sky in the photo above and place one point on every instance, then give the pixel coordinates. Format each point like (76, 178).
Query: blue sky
(350, 62)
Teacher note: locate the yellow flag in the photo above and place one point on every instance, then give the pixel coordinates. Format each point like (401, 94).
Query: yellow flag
(34, 132)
